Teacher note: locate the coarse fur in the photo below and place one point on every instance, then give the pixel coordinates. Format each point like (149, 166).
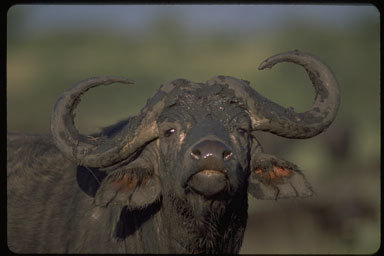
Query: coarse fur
(172, 179)
(64, 217)
(63, 194)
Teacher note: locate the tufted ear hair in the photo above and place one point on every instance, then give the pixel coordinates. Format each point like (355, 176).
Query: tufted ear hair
(135, 186)
(273, 178)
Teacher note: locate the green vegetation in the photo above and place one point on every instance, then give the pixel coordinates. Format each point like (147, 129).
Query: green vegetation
(343, 165)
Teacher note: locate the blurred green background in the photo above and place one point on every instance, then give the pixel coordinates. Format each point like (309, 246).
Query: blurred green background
(50, 47)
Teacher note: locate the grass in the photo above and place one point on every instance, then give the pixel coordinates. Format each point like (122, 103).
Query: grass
(40, 68)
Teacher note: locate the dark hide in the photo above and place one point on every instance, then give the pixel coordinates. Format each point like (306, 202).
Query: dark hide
(146, 203)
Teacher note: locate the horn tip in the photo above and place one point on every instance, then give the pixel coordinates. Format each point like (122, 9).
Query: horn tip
(285, 56)
(265, 64)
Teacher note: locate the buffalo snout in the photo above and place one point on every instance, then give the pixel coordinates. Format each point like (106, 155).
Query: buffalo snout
(211, 175)
(211, 148)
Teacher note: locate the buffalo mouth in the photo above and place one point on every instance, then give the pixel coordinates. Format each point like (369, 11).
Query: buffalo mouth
(208, 182)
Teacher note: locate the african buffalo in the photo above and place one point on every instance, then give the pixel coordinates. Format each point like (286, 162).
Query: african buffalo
(173, 178)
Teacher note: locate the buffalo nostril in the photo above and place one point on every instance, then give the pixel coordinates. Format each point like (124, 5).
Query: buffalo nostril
(195, 154)
(211, 148)
(227, 155)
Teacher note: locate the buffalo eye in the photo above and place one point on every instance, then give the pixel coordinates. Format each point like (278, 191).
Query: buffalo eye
(242, 131)
(169, 132)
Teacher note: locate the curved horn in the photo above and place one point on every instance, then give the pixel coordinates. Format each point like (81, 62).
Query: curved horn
(97, 151)
(287, 123)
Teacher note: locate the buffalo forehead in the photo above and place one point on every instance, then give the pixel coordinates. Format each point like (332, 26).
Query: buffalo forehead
(202, 100)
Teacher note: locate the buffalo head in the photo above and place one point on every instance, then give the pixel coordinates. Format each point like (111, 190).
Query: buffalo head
(195, 142)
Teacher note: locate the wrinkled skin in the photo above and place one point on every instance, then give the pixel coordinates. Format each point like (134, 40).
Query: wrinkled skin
(173, 179)
(216, 223)
(208, 218)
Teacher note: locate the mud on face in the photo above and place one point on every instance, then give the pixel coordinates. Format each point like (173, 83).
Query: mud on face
(204, 133)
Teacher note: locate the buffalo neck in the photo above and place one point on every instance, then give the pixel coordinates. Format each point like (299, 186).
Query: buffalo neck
(177, 229)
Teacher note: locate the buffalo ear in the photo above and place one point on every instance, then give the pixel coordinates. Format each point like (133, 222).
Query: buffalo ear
(273, 178)
(136, 186)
